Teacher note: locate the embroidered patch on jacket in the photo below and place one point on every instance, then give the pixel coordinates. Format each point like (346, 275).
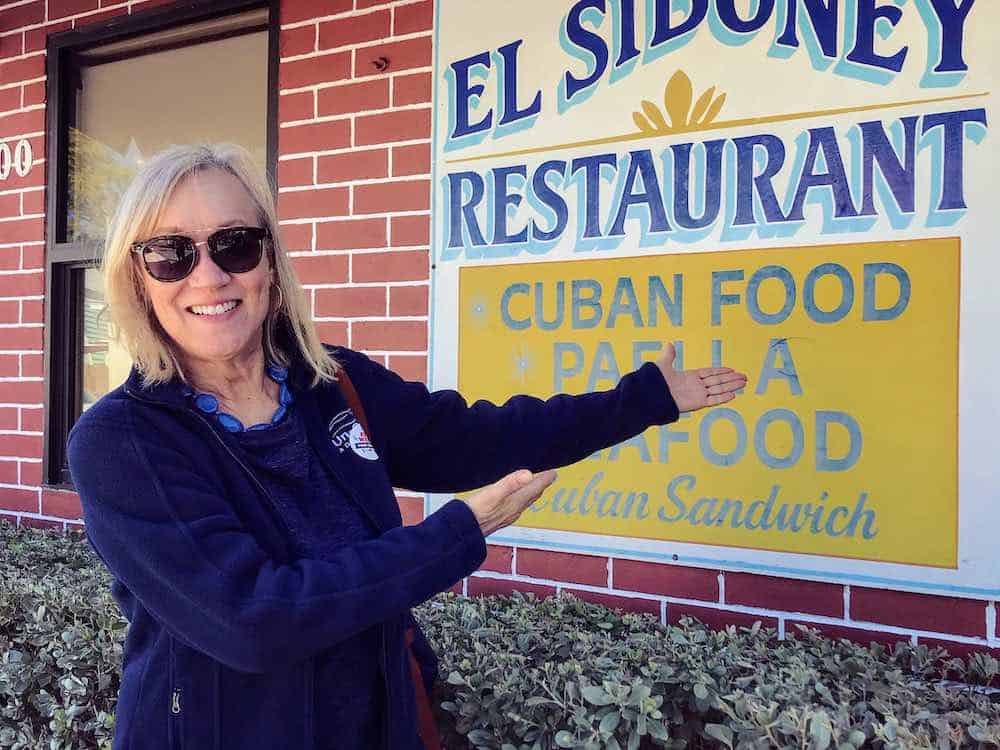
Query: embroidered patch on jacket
(346, 432)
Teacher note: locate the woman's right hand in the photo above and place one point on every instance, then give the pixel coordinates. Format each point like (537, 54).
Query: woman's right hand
(501, 503)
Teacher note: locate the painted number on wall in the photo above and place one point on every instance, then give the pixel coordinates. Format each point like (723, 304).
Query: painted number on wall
(16, 158)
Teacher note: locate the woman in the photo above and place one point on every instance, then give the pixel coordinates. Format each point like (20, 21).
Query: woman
(246, 516)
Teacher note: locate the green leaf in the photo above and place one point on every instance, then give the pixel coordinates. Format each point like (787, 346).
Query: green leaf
(564, 739)
(720, 732)
(596, 695)
(610, 722)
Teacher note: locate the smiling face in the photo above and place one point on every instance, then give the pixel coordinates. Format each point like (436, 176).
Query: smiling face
(198, 312)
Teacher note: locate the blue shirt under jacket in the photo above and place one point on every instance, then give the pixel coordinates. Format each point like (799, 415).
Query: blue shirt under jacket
(227, 622)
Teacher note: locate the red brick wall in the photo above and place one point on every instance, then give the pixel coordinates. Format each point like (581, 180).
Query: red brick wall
(354, 197)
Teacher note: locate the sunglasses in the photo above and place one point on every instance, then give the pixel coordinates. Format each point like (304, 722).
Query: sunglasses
(173, 257)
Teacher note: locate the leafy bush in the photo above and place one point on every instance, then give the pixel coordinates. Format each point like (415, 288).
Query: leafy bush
(521, 674)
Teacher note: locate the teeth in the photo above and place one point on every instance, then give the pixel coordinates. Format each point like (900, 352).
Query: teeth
(214, 309)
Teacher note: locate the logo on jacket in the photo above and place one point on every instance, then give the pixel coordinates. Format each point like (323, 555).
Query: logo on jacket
(346, 432)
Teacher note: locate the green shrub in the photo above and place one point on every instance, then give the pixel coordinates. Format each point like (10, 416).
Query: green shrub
(521, 674)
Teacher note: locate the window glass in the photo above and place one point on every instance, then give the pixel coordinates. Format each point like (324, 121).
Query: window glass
(105, 364)
(127, 110)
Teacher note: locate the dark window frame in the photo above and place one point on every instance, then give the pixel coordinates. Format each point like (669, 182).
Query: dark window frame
(65, 261)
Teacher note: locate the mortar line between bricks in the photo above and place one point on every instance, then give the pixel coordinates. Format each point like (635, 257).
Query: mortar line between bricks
(29, 134)
(409, 36)
(293, 189)
(22, 217)
(349, 149)
(363, 285)
(802, 617)
(21, 83)
(371, 318)
(352, 79)
(345, 14)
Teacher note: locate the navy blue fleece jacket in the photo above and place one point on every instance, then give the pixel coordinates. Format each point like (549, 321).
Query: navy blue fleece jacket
(226, 623)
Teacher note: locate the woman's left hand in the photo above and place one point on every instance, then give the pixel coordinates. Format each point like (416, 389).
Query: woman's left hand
(696, 389)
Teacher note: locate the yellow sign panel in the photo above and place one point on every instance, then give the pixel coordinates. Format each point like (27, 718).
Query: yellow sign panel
(843, 443)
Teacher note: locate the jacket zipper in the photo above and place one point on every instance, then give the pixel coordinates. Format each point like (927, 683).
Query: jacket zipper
(383, 648)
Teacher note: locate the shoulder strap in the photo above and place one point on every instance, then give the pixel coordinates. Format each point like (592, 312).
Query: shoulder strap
(353, 402)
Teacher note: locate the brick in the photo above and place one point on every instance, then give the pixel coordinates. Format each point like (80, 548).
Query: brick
(297, 236)
(32, 366)
(408, 300)
(32, 311)
(563, 566)
(10, 205)
(96, 18)
(332, 333)
(768, 592)
(298, 41)
(321, 269)
(34, 93)
(25, 69)
(295, 172)
(350, 234)
(666, 580)
(407, 231)
(140, 6)
(499, 559)
(33, 202)
(317, 136)
(21, 446)
(43, 523)
(22, 15)
(10, 312)
(11, 45)
(353, 97)
(855, 635)
(498, 587)
(312, 71)
(8, 472)
(342, 32)
(25, 501)
(942, 614)
(35, 39)
(62, 8)
(372, 3)
(389, 335)
(383, 197)
(412, 367)
(307, 204)
(21, 338)
(402, 55)
(623, 603)
(8, 418)
(716, 619)
(10, 258)
(293, 11)
(411, 509)
(397, 265)
(298, 106)
(23, 230)
(346, 302)
(959, 650)
(9, 365)
(31, 473)
(61, 504)
(388, 127)
(21, 392)
(353, 165)
(408, 19)
(32, 257)
(10, 99)
(35, 177)
(31, 420)
(411, 160)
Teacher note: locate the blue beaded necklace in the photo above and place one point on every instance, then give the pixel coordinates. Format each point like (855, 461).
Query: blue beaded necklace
(209, 404)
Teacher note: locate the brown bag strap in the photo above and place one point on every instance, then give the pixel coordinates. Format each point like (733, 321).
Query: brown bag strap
(353, 402)
(425, 715)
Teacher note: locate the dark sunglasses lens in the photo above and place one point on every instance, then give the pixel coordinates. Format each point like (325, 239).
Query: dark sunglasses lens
(169, 259)
(237, 250)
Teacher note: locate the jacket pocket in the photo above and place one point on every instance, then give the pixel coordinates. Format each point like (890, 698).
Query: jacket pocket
(192, 713)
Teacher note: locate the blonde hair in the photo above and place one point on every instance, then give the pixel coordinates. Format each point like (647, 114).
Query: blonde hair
(288, 328)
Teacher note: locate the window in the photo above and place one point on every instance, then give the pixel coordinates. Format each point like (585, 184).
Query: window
(118, 94)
